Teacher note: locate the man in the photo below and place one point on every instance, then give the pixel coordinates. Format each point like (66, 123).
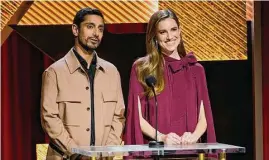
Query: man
(81, 100)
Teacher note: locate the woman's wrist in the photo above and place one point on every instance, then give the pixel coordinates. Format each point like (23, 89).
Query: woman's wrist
(160, 137)
(196, 136)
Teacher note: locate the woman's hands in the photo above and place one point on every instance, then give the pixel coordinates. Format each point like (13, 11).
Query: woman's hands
(170, 138)
(173, 139)
(189, 138)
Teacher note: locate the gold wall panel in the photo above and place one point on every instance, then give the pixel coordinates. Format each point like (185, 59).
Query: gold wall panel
(213, 30)
(41, 151)
(8, 8)
(63, 12)
(249, 10)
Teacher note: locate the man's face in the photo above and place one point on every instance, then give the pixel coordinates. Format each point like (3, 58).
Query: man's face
(90, 32)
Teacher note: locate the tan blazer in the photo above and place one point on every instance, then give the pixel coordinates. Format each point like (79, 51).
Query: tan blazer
(65, 105)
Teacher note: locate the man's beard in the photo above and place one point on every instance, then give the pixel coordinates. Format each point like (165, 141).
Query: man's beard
(85, 46)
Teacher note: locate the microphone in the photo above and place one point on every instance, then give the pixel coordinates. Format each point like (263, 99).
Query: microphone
(151, 81)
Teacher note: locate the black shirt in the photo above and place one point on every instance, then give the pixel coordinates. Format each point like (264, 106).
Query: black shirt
(91, 73)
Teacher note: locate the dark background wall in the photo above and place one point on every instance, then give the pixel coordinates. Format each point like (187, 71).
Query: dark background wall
(265, 75)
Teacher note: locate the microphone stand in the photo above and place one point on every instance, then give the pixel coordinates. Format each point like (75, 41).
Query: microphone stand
(156, 143)
(151, 81)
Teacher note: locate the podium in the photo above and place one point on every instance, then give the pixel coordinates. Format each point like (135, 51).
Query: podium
(198, 150)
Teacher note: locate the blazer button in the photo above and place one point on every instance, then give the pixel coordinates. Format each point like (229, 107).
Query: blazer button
(87, 88)
(88, 129)
(88, 109)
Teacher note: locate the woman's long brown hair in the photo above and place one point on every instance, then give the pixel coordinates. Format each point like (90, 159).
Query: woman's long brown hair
(153, 63)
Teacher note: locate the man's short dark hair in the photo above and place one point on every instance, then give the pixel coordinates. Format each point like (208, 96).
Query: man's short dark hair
(86, 11)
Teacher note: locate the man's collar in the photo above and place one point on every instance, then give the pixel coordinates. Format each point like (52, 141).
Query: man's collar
(73, 63)
(82, 61)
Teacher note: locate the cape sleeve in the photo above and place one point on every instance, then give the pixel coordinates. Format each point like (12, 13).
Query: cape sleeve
(203, 96)
(133, 133)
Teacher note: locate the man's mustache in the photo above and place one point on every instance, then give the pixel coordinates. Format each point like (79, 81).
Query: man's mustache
(93, 38)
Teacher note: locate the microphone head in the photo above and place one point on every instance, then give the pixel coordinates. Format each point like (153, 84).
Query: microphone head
(150, 81)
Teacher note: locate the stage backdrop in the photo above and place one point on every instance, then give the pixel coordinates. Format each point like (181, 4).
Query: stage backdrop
(22, 64)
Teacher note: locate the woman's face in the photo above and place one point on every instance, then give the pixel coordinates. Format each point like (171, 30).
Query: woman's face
(168, 36)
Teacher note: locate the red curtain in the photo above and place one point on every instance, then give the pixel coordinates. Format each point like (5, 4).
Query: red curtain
(265, 73)
(127, 28)
(22, 66)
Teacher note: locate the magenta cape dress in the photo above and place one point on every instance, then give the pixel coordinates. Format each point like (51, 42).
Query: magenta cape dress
(178, 104)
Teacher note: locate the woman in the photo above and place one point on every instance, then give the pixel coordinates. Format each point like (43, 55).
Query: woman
(184, 112)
